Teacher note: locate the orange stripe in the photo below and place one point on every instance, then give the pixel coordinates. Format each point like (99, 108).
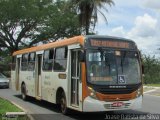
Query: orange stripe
(84, 84)
(70, 41)
(116, 97)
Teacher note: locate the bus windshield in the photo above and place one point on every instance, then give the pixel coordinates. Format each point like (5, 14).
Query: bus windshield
(111, 67)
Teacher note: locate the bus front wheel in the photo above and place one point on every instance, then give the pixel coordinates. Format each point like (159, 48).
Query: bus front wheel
(63, 104)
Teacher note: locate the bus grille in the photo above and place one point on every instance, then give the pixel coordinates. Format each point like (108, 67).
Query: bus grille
(116, 91)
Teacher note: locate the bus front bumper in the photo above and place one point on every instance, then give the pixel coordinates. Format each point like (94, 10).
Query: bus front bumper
(93, 105)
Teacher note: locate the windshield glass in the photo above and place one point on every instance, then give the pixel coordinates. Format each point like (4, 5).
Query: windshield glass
(109, 67)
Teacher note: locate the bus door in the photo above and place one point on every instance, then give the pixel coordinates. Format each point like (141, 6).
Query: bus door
(38, 76)
(17, 73)
(75, 78)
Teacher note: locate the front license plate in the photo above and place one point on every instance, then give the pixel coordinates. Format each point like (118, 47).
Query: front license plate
(117, 104)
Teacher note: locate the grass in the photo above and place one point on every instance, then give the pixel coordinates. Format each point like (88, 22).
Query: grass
(153, 85)
(6, 106)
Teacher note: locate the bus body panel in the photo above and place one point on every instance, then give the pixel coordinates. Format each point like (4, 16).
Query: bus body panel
(28, 78)
(50, 85)
(91, 105)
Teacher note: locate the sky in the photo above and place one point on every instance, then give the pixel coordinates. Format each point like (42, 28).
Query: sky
(138, 20)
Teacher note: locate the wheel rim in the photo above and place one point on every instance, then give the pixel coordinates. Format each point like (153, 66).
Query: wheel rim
(63, 105)
(23, 95)
(23, 92)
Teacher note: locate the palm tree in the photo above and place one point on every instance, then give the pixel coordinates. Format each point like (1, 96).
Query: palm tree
(88, 11)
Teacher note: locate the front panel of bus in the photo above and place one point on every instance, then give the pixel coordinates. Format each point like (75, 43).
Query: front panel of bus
(113, 75)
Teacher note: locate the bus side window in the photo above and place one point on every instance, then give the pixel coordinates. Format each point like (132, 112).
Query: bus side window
(13, 66)
(31, 61)
(48, 60)
(60, 62)
(24, 63)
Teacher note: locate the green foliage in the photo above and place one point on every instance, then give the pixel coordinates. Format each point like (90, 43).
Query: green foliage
(64, 23)
(88, 12)
(6, 106)
(153, 85)
(24, 23)
(151, 70)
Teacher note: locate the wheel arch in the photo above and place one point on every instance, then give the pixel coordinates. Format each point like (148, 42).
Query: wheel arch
(23, 83)
(60, 90)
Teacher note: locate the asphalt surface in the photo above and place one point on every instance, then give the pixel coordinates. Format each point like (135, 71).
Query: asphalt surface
(41, 110)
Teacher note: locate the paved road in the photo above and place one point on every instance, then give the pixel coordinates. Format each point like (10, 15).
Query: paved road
(42, 110)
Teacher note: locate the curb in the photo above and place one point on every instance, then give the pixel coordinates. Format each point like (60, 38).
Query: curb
(151, 90)
(30, 117)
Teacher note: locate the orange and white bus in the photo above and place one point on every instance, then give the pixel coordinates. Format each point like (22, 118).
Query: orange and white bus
(84, 73)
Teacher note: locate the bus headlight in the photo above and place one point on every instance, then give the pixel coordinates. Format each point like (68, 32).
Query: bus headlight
(92, 93)
(139, 92)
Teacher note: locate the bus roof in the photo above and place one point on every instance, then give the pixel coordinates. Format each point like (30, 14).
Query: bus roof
(69, 41)
(108, 37)
(59, 43)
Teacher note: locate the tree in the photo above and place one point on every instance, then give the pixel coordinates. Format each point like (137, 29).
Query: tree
(24, 23)
(151, 69)
(63, 23)
(88, 11)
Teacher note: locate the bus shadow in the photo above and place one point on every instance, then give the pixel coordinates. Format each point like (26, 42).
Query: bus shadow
(42, 103)
(74, 115)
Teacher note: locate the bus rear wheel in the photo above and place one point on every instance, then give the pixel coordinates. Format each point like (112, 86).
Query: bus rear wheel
(23, 92)
(63, 104)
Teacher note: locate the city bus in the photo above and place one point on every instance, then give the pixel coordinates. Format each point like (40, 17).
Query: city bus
(89, 73)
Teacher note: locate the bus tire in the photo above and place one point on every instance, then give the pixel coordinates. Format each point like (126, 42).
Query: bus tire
(63, 104)
(23, 92)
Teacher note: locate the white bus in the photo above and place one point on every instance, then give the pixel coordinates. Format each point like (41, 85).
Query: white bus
(84, 73)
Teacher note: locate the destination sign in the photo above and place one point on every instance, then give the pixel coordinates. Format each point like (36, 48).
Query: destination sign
(114, 44)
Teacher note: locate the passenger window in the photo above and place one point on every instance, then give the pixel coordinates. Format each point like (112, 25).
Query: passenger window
(60, 62)
(24, 63)
(48, 60)
(13, 63)
(31, 62)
